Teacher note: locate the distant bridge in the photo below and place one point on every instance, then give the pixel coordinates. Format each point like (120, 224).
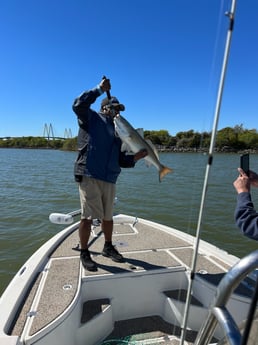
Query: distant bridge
(48, 133)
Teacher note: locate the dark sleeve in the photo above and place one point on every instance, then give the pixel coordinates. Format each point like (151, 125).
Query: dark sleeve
(81, 105)
(126, 161)
(246, 216)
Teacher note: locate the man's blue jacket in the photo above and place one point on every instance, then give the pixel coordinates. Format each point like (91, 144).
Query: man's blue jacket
(100, 155)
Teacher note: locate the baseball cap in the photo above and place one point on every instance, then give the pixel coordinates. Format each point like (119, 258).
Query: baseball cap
(114, 101)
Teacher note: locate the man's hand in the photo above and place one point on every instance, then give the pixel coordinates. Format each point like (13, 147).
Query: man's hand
(141, 154)
(242, 183)
(105, 85)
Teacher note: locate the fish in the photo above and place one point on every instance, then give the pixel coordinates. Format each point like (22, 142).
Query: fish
(133, 142)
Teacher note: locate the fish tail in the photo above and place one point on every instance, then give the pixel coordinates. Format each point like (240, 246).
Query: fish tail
(163, 172)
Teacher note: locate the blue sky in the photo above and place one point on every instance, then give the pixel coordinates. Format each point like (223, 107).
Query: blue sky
(163, 58)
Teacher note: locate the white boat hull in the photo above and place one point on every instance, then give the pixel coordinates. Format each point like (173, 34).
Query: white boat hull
(53, 300)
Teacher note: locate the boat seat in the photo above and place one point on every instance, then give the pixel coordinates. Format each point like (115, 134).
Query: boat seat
(180, 295)
(245, 288)
(93, 308)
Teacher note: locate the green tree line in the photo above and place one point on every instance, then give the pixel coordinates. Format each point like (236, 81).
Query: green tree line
(227, 139)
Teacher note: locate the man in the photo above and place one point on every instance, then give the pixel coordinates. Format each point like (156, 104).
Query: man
(245, 214)
(98, 166)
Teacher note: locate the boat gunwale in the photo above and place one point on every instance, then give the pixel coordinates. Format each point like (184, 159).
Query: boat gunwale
(19, 287)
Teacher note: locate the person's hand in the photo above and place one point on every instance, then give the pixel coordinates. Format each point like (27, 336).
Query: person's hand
(242, 183)
(105, 84)
(141, 154)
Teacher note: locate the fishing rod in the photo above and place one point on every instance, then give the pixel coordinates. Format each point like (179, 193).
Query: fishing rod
(231, 16)
(110, 99)
(107, 92)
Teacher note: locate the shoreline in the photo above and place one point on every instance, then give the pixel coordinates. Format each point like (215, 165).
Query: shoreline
(159, 149)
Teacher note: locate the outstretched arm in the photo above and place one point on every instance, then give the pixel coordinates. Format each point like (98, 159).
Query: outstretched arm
(245, 214)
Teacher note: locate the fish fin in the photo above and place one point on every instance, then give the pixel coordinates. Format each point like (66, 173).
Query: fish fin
(126, 148)
(163, 172)
(140, 131)
(153, 147)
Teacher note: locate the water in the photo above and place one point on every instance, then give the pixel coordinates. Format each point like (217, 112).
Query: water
(35, 183)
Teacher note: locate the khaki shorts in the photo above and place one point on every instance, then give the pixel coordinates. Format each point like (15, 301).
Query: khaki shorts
(97, 198)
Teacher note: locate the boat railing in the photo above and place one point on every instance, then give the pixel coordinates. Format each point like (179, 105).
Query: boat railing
(218, 313)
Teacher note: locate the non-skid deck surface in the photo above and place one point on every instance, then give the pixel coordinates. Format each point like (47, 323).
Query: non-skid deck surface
(144, 248)
(59, 290)
(150, 330)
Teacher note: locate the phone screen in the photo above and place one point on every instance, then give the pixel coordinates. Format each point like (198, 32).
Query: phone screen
(244, 162)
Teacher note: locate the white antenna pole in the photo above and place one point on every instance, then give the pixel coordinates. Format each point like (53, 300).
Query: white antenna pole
(231, 16)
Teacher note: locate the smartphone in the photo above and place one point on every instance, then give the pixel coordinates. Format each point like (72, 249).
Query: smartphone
(244, 163)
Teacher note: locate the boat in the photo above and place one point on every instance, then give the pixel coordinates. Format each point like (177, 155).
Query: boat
(172, 288)
(54, 300)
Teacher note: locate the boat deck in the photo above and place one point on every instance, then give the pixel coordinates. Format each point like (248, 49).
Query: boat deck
(161, 261)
